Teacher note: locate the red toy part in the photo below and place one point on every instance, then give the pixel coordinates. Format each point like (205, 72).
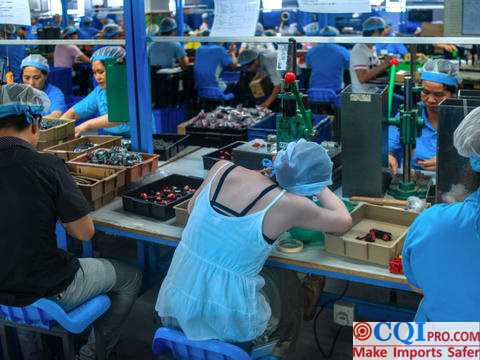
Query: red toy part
(290, 77)
(396, 266)
(394, 62)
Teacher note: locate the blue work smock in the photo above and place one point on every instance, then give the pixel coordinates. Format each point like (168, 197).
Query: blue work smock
(165, 54)
(96, 102)
(425, 149)
(209, 62)
(327, 62)
(385, 49)
(440, 257)
(87, 32)
(15, 53)
(33, 28)
(57, 99)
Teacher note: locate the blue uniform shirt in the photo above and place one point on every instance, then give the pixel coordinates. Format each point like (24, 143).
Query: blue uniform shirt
(440, 256)
(34, 28)
(327, 62)
(165, 54)
(426, 147)
(57, 100)
(96, 102)
(209, 62)
(87, 32)
(16, 53)
(385, 49)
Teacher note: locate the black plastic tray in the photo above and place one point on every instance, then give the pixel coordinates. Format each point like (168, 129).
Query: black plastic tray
(132, 203)
(214, 137)
(180, 142)
(211, 158)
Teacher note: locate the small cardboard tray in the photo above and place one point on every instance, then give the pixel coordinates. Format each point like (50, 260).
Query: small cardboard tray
(132, 203)
(180, 142)
(181, 213)
(59, 132)
(43, 145)
(67, 151)
(147, 166)
(366, 217)
(211, 158)
(110, 180)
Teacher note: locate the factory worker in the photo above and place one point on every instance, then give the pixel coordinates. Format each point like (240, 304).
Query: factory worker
(187, 31)
(87, 31)
(36, 24)
(257, 46)
(23, 33)
(440, 80)
(67, 55)
(37, 190)
(14, 53)
(204, 26)
(104, 19)
(389, 49)
(151, 31)
(110, 32)
(166, 54)
(57, 21)
(96, 101)
(210, 59)
(266, 64)
(311, 29)
(35, 71)
(364, 63)
(442, 245)
(327, 62)
(217, 286)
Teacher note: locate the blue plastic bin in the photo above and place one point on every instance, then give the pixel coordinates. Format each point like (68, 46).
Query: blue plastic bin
(167, 119)
(321, 123)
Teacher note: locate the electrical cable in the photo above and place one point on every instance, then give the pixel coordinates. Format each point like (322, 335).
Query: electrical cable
(332, 348)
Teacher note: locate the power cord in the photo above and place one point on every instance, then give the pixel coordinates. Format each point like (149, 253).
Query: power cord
(332, 348)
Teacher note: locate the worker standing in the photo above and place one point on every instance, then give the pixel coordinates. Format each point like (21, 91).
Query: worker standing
(14, 53)
(440, 80)
(327, 62)
(67, 55)
(266, 64)
(390, 49)
(364, 63)
(443, 243)
(204, 25)
(166, 54)
(36, 24)
(87, 31)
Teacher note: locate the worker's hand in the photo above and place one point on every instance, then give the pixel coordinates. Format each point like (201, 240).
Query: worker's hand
(428, 165)
(450, 48)
(392, 164)
(265, 105)
(386, 61)
(233, 48)
(81, 129)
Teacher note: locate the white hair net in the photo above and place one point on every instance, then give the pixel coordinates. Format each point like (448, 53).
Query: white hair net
(153, 29)
(167, 25)
(373, 23)
(37, 61)
(466, 137)
(303, 168)
(311, 29)
(259, 29)
(22, 99)
(247, 56)
(329, 31)
(441, 71)
(107, 52)
(110, 30)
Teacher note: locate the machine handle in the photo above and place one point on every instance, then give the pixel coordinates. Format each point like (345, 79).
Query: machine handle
(393, 70)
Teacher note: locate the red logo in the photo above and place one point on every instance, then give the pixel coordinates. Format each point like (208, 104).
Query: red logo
(362, 331)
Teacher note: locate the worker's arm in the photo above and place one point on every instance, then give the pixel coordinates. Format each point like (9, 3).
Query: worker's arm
(97, 123)
(231, 52)
(70, 115)
(392, 163)
(82, 58)
(276, 90)
(183, 62)
(367, 75)
(81, 229)
(54, 114)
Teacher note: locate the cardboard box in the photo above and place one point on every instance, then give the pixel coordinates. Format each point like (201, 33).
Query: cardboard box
(66, 150)
(181, 128)
(432, 29)
(181, 213)
(366, 217)
(399, 76)
(260, 87)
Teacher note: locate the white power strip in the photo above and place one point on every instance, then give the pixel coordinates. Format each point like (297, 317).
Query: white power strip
(343, 313)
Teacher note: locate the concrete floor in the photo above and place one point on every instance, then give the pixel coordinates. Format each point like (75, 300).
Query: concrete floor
(140, 327)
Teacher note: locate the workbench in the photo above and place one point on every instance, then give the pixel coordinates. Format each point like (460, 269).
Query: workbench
(112, 219)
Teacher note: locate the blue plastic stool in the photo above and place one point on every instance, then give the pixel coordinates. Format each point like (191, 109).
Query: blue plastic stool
(325, 96)
(47, 317)
(184, 349)
(213, 94)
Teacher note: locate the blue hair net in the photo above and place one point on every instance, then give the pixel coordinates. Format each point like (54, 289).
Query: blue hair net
(303, 168)
(69, 30)
(373, 23)
(102, 15)
(259, 29)
(247, 56)
(22, 99)
(108, 52)
(311, 29)
(204, 15)
(186, 28)
(441, 71)
(37, 61)
(387, 21)
(87, 19)
(329, 31)
(167, 25)
(110, 30)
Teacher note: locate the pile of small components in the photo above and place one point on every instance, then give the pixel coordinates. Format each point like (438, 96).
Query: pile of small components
(114, 156)
(227, 117)
(84, 147)
(225, 155)
(48, 124)
(160, 144)
(167, 194)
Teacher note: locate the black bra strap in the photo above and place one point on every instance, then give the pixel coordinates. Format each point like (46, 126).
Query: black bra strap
(262, 194)
(220, 183)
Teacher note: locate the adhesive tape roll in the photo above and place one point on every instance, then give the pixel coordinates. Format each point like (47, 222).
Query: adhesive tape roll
(289, 245)
(285, 16)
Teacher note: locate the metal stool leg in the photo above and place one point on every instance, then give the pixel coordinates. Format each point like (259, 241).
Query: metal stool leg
(68, 346)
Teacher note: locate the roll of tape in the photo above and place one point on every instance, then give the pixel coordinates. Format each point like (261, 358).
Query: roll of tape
(289, 245)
